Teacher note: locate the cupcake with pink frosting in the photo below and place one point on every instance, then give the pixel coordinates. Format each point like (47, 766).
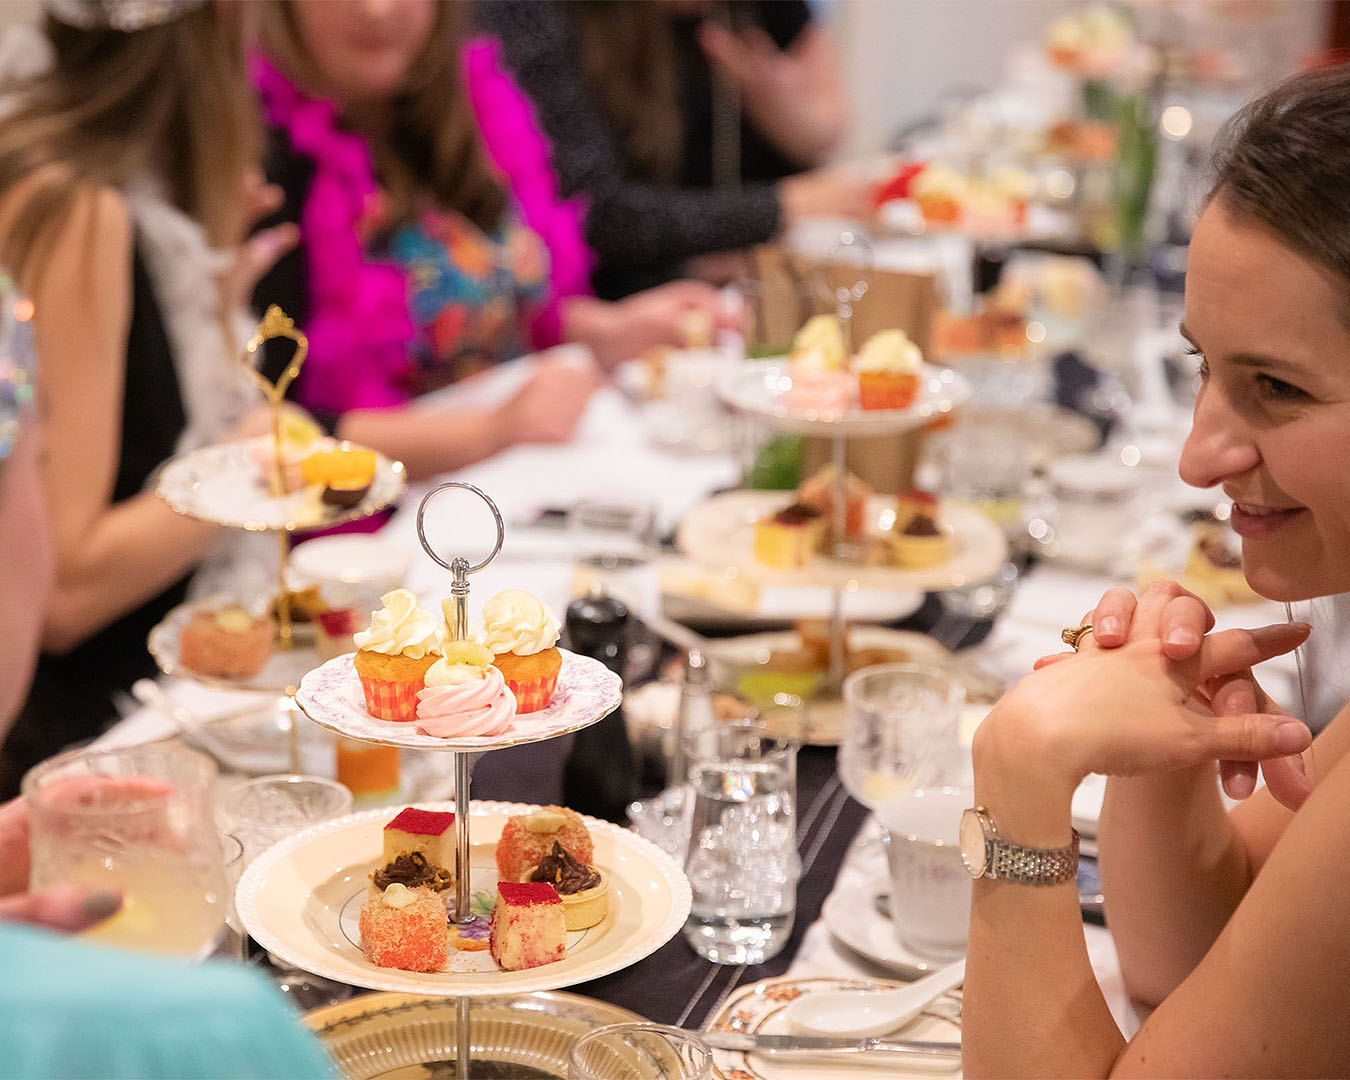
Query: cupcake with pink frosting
(464, 695)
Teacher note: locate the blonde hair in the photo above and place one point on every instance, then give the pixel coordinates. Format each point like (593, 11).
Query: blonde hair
(431, 145)
(171, 100)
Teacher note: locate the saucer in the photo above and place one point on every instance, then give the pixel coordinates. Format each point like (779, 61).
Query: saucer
(867, 930)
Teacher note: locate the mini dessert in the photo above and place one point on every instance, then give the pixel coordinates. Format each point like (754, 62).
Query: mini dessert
(393, 656)
(820, 491)
(300, 437)
(345, 474)
(413, 871)
(1214, 569)
(585, 894)
(522, 634)
(819, 345)
(528, 926)
(405, 928)
(788, 539)
(464, 695)
(888, 368)
(429, 832)
(1015, 187)
(527, 838)
(819, 394)
(921, 543)
(335, 631)
(940, 192)
(226, 642)
(912, 502)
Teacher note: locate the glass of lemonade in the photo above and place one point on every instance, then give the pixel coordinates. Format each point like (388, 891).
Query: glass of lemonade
(138, 820)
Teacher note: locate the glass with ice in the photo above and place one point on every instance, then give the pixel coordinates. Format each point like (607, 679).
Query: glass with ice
(742, 859)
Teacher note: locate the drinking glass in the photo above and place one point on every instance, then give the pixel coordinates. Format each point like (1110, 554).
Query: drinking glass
(901, 731)
(139, 820)
(639, 1052)
(266, 809)
(611, 541)
(742, 861)
(235, 945)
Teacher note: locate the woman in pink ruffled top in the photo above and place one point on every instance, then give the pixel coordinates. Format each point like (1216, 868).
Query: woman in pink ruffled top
(464, 695)
(433, 243)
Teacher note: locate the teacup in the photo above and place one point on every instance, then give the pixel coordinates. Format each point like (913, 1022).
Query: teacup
(930, 888)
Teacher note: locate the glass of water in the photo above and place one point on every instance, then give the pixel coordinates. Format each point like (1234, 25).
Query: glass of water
(742, 861)
(639, 1052)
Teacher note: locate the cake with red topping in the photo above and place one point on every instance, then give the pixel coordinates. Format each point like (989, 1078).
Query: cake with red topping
(406, 928)
(527, 838)
(528, 925)
(789, 539)
(431, 832)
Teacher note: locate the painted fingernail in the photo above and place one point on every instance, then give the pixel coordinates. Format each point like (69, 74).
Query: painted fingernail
(101, 904)
(1290, 737)
(1182, 638)
(1110, 626)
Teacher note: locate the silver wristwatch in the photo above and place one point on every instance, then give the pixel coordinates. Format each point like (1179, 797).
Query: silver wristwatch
(987, 855)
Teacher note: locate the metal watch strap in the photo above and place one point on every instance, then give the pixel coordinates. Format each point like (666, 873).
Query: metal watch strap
(1032, 866)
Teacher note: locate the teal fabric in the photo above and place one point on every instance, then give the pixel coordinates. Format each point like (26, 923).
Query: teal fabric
(74, 1010)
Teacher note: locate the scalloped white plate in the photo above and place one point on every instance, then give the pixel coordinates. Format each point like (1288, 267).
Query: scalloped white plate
(587, 691)
(301, 900)
(221, 484)
(758, 386)
(721, 533)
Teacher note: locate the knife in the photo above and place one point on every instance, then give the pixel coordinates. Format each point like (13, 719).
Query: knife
(813, 1044)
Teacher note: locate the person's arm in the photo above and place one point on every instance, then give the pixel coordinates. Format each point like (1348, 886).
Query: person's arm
(626, 223)
(794, 96)
(669, 315)
(110, 557)
(1032, 1005)
(431, 439)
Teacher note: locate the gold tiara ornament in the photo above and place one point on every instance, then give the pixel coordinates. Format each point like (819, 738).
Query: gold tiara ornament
(124, 15)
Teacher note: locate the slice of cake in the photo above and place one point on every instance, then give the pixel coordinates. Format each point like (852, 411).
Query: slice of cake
(528, 925)
(790, 538)
(527, 838)
(921, 543)
(431, 832)
(405, 928)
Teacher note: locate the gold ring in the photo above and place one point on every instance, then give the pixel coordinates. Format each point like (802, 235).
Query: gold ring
(1072, 636)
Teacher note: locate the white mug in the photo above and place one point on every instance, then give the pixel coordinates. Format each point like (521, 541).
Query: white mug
(930, 888)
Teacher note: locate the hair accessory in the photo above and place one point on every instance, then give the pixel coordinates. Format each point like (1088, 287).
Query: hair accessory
(123, 15)
(17, 364)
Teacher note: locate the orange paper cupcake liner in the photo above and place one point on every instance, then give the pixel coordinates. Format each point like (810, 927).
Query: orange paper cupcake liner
(885, 391)
(391, 700)
(534, 694)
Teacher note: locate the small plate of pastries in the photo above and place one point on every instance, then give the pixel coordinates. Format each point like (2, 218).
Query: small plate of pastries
(556, 898)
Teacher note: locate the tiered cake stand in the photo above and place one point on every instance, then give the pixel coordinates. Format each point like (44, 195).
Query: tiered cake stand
(720, 532)
(222, 485)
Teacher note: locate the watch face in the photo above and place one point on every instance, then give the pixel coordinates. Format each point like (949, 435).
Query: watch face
(973, 850)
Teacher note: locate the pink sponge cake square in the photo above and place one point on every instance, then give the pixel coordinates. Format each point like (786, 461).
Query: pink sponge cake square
(528, 925)
(431, 832)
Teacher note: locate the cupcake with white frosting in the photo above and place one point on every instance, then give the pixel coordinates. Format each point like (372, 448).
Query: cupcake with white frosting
(394, 654)
(522, 634)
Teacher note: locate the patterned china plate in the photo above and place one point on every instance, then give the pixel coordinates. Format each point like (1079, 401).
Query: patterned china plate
(587, 691)
(301, 900)
(757, 1008)
(222, 484)
(412, 1037)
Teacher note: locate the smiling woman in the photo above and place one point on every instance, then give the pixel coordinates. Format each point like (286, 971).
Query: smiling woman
(1233, 924)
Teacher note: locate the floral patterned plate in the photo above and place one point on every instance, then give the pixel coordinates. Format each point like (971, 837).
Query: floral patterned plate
(758, 1009)
(587, 691)
(301, 900)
